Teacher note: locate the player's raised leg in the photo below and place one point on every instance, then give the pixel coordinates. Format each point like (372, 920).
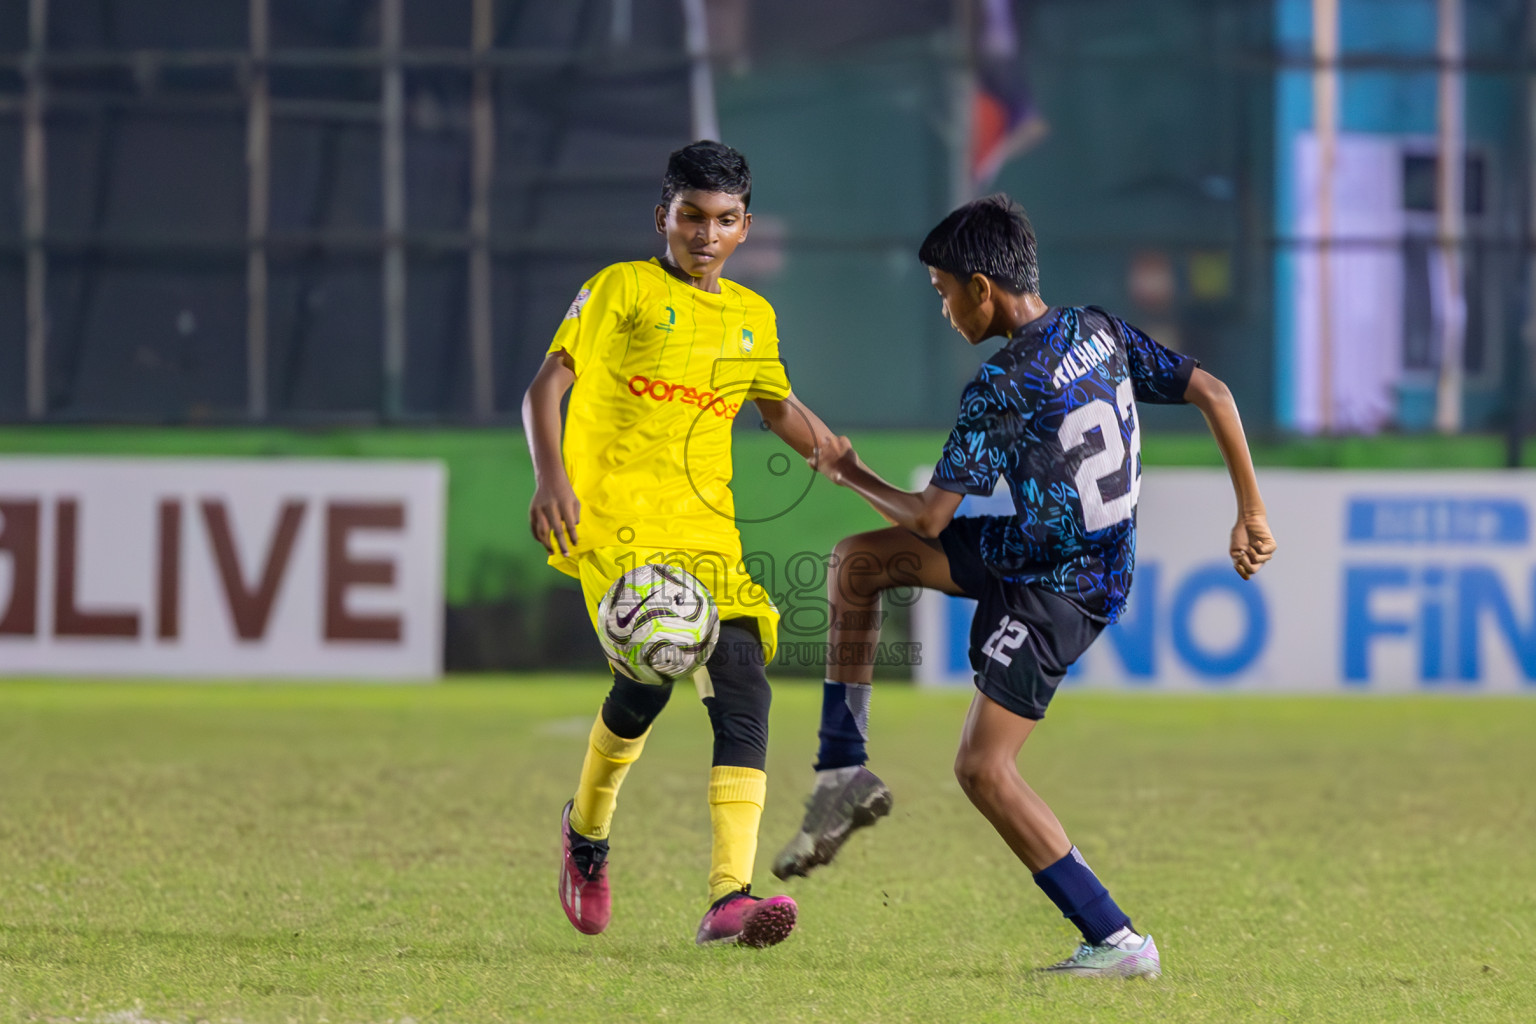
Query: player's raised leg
(738, 704)
(987, 769)
(847, 795)
(617, 738)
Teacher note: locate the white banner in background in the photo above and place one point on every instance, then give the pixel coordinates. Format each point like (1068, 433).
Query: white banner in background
(192, 567)
(1384, 582)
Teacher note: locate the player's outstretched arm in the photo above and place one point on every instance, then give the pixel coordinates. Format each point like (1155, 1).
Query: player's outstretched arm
(925, 512)
(1252, 542)
(555, 510)
(794, 422)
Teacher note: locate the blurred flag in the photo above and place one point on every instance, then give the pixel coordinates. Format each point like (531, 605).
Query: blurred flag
(1004, 119)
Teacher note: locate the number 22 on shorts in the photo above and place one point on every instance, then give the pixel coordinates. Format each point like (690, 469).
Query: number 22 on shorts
(1009, 636)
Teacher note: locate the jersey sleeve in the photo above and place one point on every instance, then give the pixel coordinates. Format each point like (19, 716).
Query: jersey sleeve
(599, 313)
(769, 377)
(1160, 375)
(753, 366)
(972, 461)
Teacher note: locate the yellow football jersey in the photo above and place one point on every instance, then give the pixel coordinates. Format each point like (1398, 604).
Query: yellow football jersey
(662, 369)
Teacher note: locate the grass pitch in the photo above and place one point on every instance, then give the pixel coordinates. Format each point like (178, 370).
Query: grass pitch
(349, 854)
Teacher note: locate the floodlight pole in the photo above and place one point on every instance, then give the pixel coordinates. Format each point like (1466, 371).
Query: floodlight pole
(482, 169)
(34, 175)
(258, 160)
(1325, 128)
(962, 103)
(392, 15)
(701, 78)
(1450, 201)
(621, 24)
(1524, 347)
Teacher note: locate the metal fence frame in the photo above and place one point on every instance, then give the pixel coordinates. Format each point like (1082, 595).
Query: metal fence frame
(252, 67)
(479, 56)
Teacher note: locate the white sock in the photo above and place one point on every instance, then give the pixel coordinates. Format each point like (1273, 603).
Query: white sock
(857, 699)
(1123, 939)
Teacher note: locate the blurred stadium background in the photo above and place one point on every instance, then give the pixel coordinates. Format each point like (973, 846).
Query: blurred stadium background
(275, 273)
(348, 227)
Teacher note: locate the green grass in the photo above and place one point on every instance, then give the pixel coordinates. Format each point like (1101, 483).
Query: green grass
(254, 854)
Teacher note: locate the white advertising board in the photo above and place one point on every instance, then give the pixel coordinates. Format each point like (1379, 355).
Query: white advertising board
(226, 568)
(1384, 582)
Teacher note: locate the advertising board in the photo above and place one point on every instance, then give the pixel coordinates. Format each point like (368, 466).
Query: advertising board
(232, 568)
(1384, 582)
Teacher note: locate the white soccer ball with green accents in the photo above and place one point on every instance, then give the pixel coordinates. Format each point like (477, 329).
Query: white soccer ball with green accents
(658, 623)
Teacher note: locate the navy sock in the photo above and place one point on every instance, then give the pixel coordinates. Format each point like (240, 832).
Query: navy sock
(1082, 898)
(844, 724)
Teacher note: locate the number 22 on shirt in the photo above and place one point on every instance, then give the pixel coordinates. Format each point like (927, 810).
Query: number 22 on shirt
(1111, 462)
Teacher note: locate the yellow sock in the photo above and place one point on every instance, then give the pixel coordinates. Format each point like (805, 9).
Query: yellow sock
(602, 773)
(735, 807)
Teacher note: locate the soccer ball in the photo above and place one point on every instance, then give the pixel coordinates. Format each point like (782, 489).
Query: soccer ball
(658, 623)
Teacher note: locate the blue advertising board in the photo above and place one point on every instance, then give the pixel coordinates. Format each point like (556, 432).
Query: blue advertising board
(1383, 582)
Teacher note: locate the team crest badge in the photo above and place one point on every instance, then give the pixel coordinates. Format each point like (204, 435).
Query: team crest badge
(746, 339)
(576, 304)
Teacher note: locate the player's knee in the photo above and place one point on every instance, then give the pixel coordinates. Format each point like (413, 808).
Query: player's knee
(631, 707)
(978, 774)
(738, 711)
(856, 570)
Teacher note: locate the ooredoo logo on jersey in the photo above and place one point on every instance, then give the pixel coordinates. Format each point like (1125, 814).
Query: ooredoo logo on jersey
(659, 390)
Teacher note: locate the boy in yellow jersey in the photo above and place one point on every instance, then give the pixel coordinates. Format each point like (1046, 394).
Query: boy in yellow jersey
(659, 356)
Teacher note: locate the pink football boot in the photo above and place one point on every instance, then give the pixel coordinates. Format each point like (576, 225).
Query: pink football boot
(741, 919)
(584, 878)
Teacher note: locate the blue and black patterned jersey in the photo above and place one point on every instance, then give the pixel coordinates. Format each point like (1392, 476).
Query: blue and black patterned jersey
(1054, 413)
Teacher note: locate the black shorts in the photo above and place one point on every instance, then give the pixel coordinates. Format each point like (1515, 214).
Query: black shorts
(1023, 638)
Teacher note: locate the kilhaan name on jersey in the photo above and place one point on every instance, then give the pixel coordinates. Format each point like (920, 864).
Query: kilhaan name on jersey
(1083, 357)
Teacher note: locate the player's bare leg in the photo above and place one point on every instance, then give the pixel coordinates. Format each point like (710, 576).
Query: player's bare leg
(988, 770)
(847, 795)
(863, 567)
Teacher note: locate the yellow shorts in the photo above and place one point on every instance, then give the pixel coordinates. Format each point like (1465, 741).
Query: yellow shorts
(736, 594)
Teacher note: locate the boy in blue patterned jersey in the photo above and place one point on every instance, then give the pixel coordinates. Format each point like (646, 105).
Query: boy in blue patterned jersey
(1054, 413)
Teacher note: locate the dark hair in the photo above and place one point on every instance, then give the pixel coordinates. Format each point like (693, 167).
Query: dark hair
(989, 236)
(707, 167)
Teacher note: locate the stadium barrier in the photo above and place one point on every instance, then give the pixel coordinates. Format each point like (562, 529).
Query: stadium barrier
(1384, 582)
(221, 567)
